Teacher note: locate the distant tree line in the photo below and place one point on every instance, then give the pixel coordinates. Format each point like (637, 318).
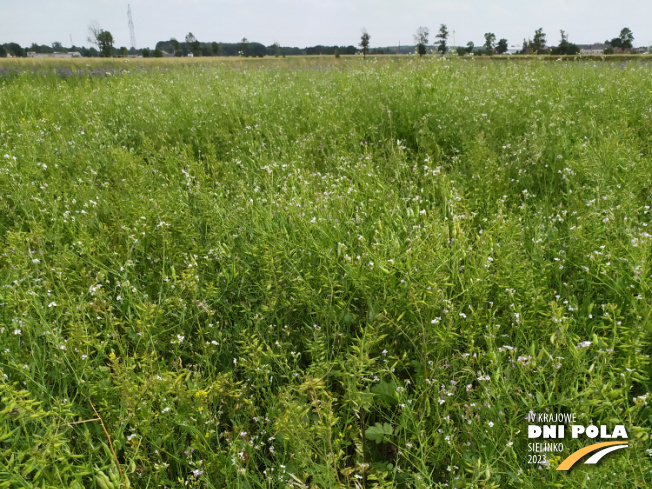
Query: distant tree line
(245, 48)
(537, 45)
(167, 48)
(103, 45)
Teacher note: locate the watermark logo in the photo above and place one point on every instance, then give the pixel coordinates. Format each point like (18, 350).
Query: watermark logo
(602, 448)
(549, 434)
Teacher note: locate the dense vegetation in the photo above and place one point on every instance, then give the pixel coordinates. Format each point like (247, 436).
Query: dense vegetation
(291, 274)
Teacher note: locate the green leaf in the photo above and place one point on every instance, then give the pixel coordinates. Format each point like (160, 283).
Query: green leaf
(378, 432)
(386, 392)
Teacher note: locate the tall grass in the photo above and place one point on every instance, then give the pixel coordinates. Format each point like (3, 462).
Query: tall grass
(322, 275)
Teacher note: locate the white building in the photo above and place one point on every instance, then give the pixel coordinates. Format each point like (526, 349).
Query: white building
(32, 54)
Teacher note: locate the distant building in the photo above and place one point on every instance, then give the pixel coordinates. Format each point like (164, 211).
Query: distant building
(597, 48)
(32, 54)
(190, 55)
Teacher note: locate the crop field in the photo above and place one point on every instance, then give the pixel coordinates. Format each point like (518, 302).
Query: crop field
(323, 273)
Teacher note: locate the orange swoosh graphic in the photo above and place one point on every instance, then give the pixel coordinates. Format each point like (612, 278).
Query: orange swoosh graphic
(575, 456)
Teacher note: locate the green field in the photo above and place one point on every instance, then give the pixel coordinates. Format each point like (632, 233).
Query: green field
(322, 273)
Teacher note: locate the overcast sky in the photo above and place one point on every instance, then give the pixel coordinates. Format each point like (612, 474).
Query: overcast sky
(309, 22)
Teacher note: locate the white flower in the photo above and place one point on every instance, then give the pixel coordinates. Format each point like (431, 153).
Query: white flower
(642, 398)
(52, 304)
(180, 338)
(490, 423)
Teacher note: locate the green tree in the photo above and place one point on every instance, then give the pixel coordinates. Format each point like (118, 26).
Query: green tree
(193, 44)
(469, 47)
(364, 42)
(146, 53)
(124, 52)
(243, 47)
(489, 42)
(538, 44)
(15, 49)
(105, 44)
(101, 38)
(157, 53)
(215, 49)
(442, 35)
(40, 48)
(421, 39)
(626, 38)
(176, 47)
(502, 46)
(565, 47)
